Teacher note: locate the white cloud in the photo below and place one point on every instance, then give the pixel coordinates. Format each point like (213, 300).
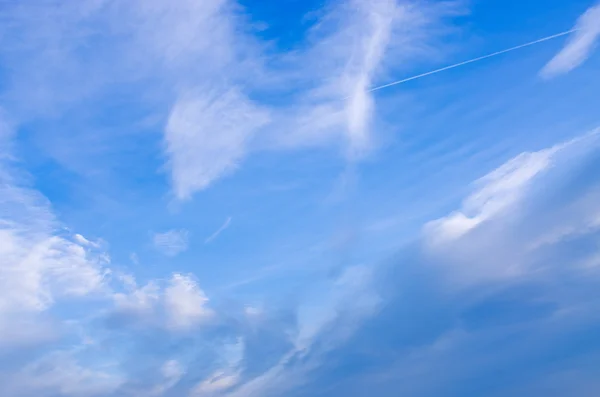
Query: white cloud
(358, 47)
(49, 267)
(252, 312)
(355, 43)
(206, 137)
(37, 271)
(216, 383)
(220, 230)
(579, 47)
(515, 213)
(206, 57)
(502, 188)
(172, 242)
(579, 219)
(60, 373)
(178, 304)
(351, 295)
(499, 190)
(191, 57)
(85, 242)
(185, 303)
(226, 377)
(200, 68)
(172, 372)
(18, 330)
(329, 318)
(39, 264)
(492, 239)
(140, 301)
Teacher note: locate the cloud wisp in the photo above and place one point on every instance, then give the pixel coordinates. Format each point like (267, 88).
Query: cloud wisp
(220, 230)
(172, 242)
(327, 82)
(579, 47)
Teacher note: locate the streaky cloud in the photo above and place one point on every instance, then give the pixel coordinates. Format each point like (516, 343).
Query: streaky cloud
(579, 47)
(220, 230)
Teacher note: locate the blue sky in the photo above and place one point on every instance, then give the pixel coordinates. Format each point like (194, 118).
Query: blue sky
(206, 198)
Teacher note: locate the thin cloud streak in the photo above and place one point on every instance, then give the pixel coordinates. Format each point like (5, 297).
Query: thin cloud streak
(472, 60)
(579, 47)
(218, 232)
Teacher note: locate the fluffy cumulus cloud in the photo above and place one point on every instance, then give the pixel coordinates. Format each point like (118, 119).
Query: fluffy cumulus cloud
(579, 47)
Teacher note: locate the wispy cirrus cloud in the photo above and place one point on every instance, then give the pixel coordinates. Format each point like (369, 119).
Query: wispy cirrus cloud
(200, 69)
(579, 47)
(344, 53)
(225, 377)
(207, 137)
(350, 57)
(220, 230)
(349, 49)
(172, 242)
(62, 372)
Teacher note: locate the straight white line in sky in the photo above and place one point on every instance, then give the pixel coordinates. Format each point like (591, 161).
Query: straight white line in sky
(554, 36)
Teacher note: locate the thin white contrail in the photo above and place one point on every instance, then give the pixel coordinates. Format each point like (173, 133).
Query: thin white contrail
(554, 36)
(219, 231)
